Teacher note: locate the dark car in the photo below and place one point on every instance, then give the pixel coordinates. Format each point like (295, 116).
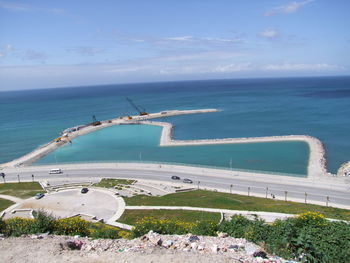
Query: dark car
(39, 195)
(187, 181)
(174, 177)
(84, 190)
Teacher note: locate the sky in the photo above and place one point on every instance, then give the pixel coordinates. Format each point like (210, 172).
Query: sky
(48, 44)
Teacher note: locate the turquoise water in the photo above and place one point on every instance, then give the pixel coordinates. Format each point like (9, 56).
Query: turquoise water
(318, 107)
(141, 143)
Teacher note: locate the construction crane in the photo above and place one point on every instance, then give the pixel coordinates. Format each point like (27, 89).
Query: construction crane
(140, 110)
(95, 122)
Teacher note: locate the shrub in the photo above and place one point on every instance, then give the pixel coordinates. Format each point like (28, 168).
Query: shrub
(205, 228)
(3, 227)
(105, 232)
(239, 226)
(43, 222)
(71, 226)
(310, 238)
(18, 226)
(124, 234)
(310, 219)
(146, 224)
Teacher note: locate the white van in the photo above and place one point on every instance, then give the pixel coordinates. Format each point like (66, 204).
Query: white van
(55, 171)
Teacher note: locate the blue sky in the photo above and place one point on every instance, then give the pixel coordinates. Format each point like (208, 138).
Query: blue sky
(47, 44)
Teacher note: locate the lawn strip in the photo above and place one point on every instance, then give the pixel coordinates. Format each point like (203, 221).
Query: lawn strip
(21, 190)
(5, 204)
(130, 217)
(209, 199)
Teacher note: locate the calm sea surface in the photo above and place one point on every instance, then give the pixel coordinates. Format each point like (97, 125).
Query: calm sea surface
(141, 143)
(318, 107)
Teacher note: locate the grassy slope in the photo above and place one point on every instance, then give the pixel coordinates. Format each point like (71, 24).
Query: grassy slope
(132, 216)
(5, 204)
(21, 190)
(109, 182)
(201, 198)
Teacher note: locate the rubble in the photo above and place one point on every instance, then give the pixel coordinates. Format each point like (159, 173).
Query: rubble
(233, 249)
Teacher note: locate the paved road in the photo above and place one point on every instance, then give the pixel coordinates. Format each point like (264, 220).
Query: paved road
(240, 185)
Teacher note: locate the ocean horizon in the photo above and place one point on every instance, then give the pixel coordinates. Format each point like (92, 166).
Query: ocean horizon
(315, 106)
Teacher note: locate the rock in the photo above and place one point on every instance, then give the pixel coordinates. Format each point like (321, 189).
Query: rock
(260, 254)
(200, 247)
(168, 243)
(194, 246)
(224, 249)
(215, 248)
(240, 245)
(88, 248)
(250, 249)
(74, 245)
(233, 247)
(144, 238)
(222, 235)
(193, 239)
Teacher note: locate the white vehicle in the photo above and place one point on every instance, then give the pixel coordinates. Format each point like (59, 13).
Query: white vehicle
(55, 171)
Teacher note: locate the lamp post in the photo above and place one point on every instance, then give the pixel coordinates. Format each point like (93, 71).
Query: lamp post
(18, 178)
(285, 195)
(305, 197)
(267, 189)
(231, 188)
(248, 190)
(198, 185)
(32, 177)
(327, 200)
(3, 177)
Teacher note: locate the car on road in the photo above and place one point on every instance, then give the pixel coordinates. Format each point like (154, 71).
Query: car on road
(39, 195)
(187, 181)
(84, 190)
(55, 171)
(174, 177)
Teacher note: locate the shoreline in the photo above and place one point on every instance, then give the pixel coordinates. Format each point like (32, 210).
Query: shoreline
(316, 163)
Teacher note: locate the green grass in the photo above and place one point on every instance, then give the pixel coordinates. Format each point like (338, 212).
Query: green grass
(21, 190)
(132, 216)
(110, 183)
(201, 198)
(5, 204)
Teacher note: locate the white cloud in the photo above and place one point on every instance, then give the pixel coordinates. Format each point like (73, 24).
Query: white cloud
(208, 55)
(182, 39)
(85, 50)
(201, 40)
(269, 33)
(234, 67)
(14, 6)
(287, 9)
(301, 67)
(5, 50)
(19, 7)
(34, 55)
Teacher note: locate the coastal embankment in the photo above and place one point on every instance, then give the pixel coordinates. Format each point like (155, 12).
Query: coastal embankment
(316, 162)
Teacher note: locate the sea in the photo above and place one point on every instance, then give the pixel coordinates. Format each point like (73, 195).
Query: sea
(315, 106)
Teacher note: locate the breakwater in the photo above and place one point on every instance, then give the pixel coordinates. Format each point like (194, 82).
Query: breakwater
(316, 163)
(45, 149)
